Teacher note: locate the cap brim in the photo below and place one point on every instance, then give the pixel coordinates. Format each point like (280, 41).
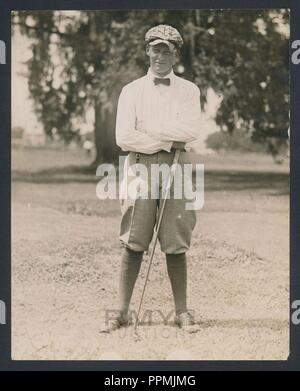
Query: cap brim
(157, 41)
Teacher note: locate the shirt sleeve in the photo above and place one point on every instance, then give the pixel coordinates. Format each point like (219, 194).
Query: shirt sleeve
(128, 138)
(186, 127)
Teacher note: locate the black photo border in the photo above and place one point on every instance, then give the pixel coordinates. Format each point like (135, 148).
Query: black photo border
(6, 363)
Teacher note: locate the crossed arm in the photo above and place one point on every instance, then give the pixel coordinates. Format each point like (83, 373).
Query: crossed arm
(171, 133)
(127, 136)
(186, 127)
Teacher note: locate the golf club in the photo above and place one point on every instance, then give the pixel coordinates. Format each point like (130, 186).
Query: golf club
(156, 232)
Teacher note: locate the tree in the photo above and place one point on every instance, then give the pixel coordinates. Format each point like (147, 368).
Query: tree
(242, 55)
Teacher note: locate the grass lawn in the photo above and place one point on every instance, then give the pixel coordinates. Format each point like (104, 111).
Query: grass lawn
(66, 255)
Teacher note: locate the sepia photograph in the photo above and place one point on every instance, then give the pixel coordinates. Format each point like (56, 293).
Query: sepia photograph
(150, 167)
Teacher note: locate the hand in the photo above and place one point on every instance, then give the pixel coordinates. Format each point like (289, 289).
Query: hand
(178, 145)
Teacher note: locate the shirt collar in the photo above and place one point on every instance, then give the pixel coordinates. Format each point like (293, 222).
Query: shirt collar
(151, 75)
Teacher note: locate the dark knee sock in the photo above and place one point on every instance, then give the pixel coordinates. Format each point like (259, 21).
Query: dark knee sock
(130, 267)
(177, 271)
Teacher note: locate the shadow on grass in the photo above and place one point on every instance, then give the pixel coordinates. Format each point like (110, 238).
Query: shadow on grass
(215, 180)
(58, 175)
(278, 183)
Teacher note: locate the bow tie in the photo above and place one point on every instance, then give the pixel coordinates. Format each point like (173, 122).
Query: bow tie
(165, 81)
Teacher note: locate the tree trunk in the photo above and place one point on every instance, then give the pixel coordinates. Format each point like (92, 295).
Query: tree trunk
(106, 148)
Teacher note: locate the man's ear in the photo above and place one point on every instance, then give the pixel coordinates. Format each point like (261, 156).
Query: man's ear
(176, 57)
(147, 50)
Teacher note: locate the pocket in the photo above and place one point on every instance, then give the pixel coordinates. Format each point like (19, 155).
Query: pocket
(127, 205)
(131, 185)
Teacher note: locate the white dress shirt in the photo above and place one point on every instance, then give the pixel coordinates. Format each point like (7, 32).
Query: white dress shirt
(150, 117)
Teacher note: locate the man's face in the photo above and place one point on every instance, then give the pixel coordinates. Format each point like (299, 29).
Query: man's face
(162, 58)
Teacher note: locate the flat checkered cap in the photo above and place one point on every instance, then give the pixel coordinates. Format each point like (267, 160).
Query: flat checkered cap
(165, 32)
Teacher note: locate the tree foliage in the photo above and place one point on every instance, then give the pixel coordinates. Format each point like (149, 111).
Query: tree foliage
(82, 59)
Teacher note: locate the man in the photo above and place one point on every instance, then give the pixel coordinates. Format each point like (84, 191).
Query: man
(157, 113)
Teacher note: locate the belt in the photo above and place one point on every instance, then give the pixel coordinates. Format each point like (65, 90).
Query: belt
(138, 154)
